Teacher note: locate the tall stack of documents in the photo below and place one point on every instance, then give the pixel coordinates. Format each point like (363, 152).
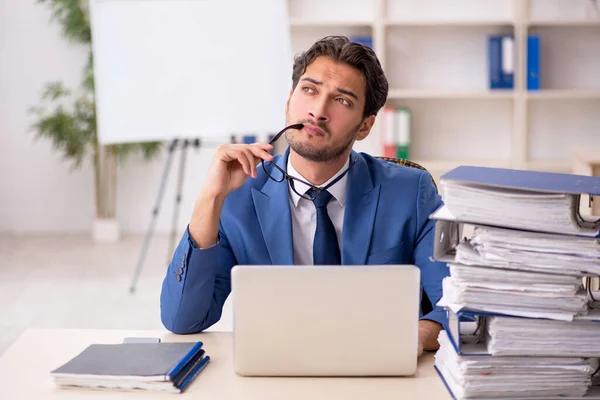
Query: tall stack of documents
(519, 275)
(476, 376)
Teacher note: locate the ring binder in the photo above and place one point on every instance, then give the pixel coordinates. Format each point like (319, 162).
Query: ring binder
(521, 320)
(519, 199)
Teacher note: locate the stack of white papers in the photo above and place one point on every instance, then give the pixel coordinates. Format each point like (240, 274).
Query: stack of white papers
(530, 251)
(518, 293)
(504, 377)
(535, 211)
(520, 336)
(520, 273)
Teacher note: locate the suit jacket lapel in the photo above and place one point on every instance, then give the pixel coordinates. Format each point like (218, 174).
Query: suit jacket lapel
(359, 216)
(272, 207)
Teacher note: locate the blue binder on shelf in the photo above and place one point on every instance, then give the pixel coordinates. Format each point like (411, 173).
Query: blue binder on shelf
(501, 61)
(532, 182)
(508, 61)
(495, 61)
(533, 62)
(367, 40)
(249, 139)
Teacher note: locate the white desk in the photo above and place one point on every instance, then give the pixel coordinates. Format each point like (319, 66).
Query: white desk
(25, 367)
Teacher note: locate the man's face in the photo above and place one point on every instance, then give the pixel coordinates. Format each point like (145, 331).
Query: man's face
(329, 100)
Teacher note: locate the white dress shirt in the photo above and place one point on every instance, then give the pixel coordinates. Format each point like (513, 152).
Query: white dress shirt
(304, 213)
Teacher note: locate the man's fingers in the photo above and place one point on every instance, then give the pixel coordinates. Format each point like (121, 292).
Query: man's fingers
(248, 155)
(251, 163)
(264, 146)
(243, 159)
(260, 153)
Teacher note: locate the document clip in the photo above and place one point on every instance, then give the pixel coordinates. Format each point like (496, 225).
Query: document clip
(467, 332)
(447, 237)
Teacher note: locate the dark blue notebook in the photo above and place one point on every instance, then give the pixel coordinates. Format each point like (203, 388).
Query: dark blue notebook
(142, 366)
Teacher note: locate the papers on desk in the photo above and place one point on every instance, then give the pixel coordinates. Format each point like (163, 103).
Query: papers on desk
(160, 367)
(521, 336)
(520, 275)
(530, 251)
(511, 377)
(518, 293)
(517, 207)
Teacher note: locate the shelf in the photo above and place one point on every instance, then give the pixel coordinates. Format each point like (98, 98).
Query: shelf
(564, 94)
(548, 94)
(307, 23)
(566, 24)
(448, 23)
(587, 155)
(401, 94)
(437, 167)
(563, 166)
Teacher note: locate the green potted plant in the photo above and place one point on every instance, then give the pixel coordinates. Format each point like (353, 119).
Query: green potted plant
(67, 117)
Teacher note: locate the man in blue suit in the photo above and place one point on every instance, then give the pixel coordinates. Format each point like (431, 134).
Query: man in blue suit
(319, 203)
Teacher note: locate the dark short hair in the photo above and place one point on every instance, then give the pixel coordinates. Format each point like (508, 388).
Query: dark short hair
(343, 50)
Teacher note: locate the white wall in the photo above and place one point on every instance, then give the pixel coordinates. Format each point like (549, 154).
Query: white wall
(38, 190)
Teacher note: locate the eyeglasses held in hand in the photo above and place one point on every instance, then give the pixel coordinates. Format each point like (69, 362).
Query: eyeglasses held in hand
(278, 174)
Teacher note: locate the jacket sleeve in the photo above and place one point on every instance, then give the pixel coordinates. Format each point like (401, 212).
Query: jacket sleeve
(196, 285)
(432, 272)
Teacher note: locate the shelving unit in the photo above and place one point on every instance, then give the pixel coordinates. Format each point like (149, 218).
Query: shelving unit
(434, 53)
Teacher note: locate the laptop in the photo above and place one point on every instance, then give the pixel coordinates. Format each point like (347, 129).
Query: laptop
(325, 320)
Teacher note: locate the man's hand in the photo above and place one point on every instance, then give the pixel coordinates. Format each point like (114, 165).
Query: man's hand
(230, 167)
(428, 334)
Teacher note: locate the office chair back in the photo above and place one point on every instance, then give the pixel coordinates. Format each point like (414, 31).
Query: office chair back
(426, 305)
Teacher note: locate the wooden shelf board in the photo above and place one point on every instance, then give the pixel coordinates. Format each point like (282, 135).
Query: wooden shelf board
(448, 23)
(306, 23)
(565, 23)
(563, 94)
(436, 166)
(400, 94)
(558, 165)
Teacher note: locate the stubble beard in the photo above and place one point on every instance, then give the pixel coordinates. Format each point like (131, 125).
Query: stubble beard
(324, 154)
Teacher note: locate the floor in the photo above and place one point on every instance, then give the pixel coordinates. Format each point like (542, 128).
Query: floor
(70, 282)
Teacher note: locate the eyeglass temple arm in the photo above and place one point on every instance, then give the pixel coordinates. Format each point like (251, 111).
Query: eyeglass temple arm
(293, 126)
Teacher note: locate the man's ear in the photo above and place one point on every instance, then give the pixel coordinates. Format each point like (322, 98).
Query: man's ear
(365, 127)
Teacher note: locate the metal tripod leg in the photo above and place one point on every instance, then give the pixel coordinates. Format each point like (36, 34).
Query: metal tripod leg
(138, 268)
(182, 162)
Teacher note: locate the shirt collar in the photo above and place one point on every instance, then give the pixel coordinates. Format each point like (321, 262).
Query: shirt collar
(338, 190)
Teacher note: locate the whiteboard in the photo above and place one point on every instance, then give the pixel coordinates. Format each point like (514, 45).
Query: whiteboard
(167, 69)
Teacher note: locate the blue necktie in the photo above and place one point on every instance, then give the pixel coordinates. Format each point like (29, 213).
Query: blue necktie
(326, 250)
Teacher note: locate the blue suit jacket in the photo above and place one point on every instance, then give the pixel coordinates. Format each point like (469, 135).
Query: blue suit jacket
(385, 222)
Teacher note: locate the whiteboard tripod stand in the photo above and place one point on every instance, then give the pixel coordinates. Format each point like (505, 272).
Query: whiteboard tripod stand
(182, 163)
